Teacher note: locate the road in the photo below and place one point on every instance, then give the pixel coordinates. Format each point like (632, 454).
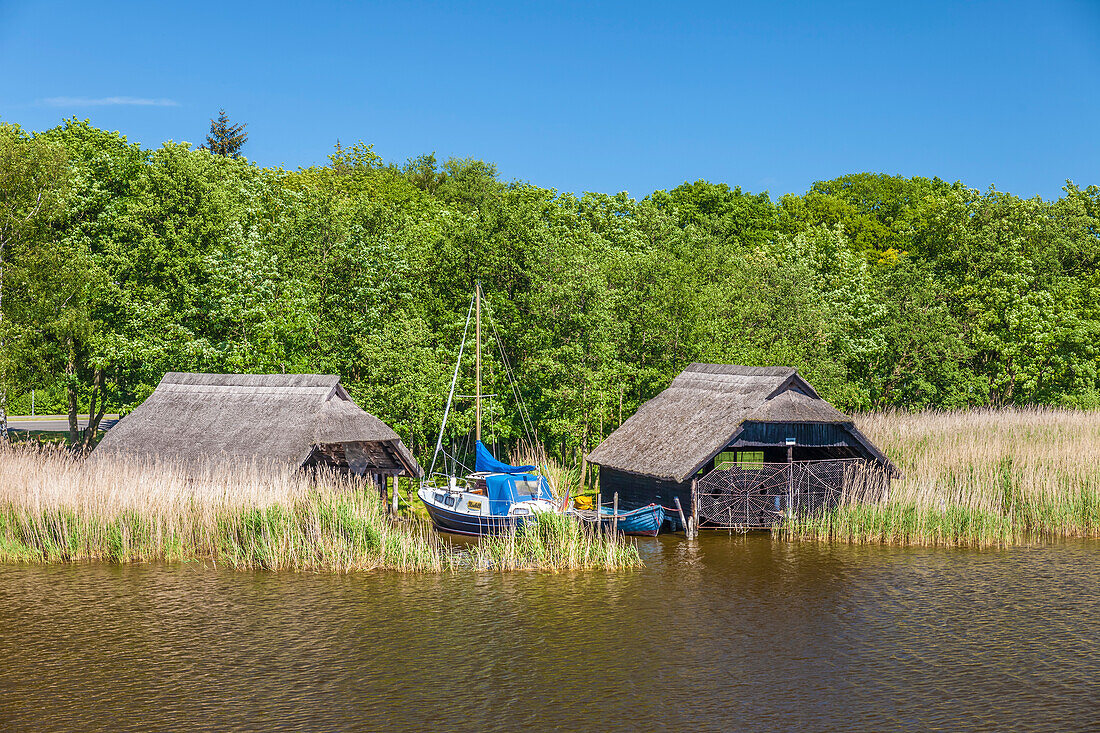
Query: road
(55, 423)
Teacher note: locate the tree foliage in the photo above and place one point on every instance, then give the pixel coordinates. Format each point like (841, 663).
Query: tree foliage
(884, 291)
(224, 138)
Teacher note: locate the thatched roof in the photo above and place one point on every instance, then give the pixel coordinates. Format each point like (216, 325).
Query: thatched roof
(265, 417)
(674, 434)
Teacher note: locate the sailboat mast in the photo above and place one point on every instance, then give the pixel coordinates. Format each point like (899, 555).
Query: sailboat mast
(477, 357)
(451, 393)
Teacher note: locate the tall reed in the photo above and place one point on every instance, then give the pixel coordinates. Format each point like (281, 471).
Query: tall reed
(983, 477)
(563, 481)
(56, 508)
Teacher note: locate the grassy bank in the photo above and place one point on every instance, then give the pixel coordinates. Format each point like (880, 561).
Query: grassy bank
(988, 477)
(54, 508)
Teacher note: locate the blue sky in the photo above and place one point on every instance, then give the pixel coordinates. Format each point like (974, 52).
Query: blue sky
(583, 97)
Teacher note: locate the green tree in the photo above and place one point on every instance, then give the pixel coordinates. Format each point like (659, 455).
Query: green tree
(224, 138)
(34, 177)
(885, 291)
(731, 216)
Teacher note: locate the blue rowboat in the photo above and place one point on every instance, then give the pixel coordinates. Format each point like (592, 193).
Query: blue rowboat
(645, 521)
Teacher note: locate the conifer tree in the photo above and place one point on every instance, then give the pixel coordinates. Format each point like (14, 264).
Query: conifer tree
(224, 138)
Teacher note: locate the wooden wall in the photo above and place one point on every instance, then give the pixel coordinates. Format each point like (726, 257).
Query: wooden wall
(637, 491)
(805, 434)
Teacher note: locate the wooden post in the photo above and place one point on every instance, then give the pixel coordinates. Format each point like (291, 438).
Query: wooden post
(396, 496)
(694, 507)
(790, 477)
(615, 514)
(599, 522)
(687, 530)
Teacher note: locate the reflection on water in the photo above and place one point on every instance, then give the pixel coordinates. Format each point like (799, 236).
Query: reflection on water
(724, 633)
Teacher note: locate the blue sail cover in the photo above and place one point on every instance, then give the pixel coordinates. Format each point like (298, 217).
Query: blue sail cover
(486, 463)
(506, 489)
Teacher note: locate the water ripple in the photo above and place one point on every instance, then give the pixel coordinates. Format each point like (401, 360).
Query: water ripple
(728, 633)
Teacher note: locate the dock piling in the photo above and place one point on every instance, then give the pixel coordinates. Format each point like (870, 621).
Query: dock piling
(688, 529)
(615, 514)
(599, 503)
(694, 508)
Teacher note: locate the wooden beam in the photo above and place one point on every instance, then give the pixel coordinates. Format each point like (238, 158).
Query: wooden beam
(615, 514)
(683, 521)
(694, 506)
(599, 524)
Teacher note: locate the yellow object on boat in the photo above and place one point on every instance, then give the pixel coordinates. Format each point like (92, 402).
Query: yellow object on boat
(582, 502)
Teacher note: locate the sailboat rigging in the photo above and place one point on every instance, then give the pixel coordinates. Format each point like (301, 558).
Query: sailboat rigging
(496, 496)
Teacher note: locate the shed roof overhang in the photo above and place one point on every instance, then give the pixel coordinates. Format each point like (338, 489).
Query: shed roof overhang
(872, 453)
(383, 457)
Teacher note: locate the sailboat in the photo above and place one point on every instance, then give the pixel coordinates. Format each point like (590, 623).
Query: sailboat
(496, 496)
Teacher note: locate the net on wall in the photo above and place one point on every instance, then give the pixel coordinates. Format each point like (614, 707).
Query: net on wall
(759, 496)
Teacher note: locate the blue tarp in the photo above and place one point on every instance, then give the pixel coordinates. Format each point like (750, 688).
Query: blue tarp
(486, 463)
(506, 489)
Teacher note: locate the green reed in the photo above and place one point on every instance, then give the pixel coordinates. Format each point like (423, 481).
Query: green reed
(555, 542)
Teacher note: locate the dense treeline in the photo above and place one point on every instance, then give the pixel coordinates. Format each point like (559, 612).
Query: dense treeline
(121, 263)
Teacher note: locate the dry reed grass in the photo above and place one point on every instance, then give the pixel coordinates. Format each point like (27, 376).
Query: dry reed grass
(57, 508)
(982, 477)
(563, 481)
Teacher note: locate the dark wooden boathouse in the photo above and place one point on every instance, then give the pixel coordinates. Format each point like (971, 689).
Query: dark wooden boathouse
(754, 441)
(297, 420)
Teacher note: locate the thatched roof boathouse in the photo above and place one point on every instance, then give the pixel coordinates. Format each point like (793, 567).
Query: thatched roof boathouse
(296, 420)
(754, 437)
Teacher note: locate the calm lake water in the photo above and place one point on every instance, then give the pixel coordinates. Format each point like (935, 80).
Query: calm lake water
(724, 633)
